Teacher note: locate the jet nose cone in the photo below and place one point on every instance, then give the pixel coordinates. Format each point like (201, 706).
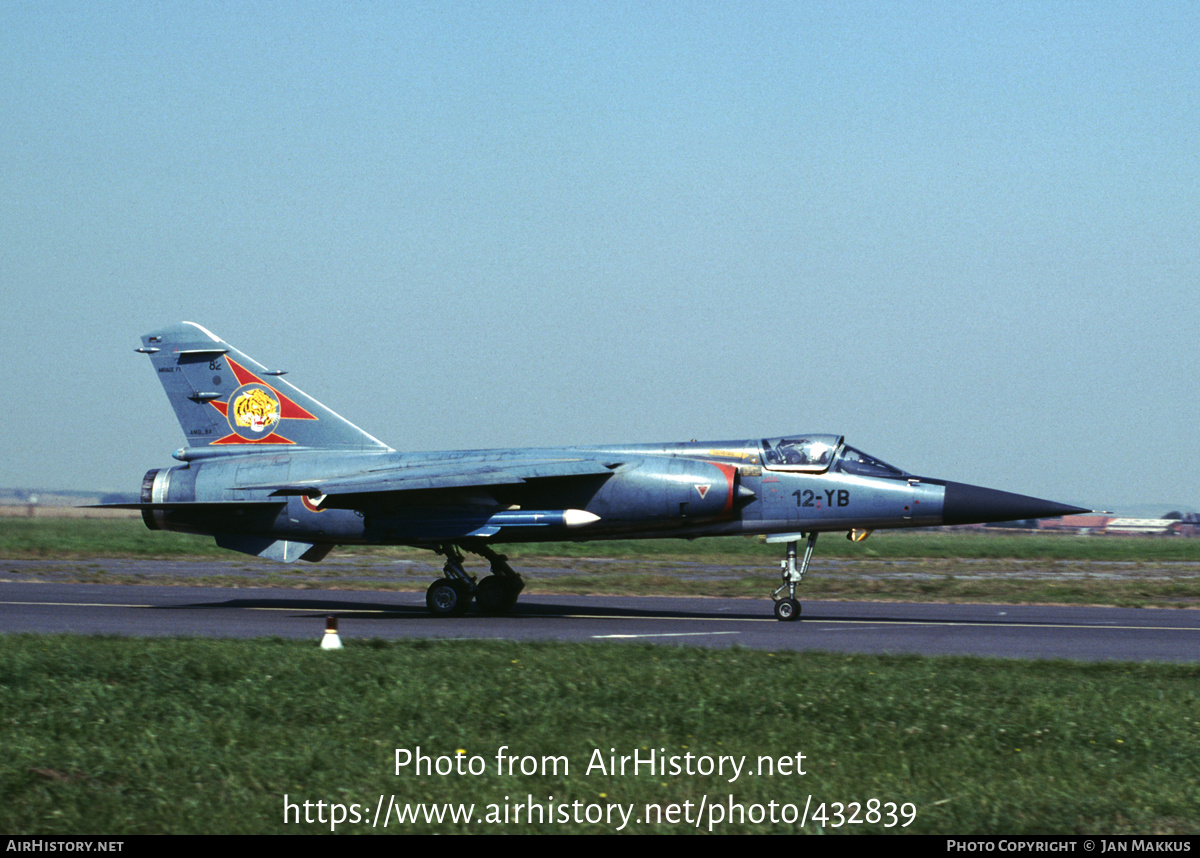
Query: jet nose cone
(965, 504)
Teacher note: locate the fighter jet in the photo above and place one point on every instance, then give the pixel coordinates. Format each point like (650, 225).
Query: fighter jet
(270, 471)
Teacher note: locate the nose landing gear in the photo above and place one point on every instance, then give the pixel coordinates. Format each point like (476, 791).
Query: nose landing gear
(787, 608)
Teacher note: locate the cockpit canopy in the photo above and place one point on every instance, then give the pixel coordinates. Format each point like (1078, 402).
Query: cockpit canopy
(807, 453)
(817, 453)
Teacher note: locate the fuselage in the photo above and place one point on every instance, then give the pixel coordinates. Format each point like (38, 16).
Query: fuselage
(803, 483)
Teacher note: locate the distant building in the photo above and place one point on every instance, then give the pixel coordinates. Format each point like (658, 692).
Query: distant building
(1076, 523)
(1116, 526)
(1145, 526)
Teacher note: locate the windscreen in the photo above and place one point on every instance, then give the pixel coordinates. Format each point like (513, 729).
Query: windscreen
(857, 462)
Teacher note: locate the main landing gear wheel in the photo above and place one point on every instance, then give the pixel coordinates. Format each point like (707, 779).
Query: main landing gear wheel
(787, 610)
(447, 598)
(451, 595)
(496, 595)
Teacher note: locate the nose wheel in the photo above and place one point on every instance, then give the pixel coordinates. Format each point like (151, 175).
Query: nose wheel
(787, 607)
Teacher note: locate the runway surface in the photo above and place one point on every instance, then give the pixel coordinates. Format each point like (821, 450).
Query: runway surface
(1011, 631)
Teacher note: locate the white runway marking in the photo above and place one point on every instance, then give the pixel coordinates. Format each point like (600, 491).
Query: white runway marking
(667, 635)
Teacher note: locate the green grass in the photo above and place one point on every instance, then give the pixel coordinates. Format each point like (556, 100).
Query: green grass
(118, 736)
(968, 566)
(196, 736)
(129, 537)
(897, 544)
(96, 537)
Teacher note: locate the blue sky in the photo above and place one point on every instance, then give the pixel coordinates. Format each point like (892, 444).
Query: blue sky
(963, 235)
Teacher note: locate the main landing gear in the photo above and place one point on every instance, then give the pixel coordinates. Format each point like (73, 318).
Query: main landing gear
(787, 608)
(452, 595)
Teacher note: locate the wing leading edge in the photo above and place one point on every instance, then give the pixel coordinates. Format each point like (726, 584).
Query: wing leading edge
(434, 477)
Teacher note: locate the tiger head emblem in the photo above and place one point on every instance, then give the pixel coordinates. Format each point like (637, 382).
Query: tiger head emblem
(256, 409)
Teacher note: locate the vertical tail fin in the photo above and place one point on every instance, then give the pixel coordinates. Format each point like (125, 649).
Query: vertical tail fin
(223, 398)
